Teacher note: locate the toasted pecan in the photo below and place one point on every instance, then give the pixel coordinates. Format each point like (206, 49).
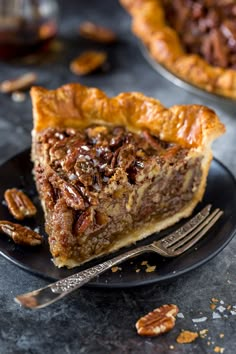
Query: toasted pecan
(19, 205)
(97, 33)
(87, 62)
(160, 320)
(20, 234)
(20, 83)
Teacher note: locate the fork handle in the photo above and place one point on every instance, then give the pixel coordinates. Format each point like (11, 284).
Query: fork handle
(57, 290)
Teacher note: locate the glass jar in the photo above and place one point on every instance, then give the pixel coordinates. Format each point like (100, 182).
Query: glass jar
(26, 26)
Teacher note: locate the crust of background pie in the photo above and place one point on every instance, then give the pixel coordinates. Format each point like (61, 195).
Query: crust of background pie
(164, 46)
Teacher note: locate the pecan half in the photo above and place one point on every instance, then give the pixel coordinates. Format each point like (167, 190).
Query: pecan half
(83, 222)
(186, 337)
(71, 193)
(19, 205)
(20, 83)
(87, 62)
(160, 320)
(96, 33)
(20, 234)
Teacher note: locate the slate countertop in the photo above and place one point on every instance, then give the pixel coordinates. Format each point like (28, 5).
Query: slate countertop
(100, 320)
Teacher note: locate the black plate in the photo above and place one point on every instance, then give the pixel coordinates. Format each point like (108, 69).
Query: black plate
(182, 83)
(220, 192)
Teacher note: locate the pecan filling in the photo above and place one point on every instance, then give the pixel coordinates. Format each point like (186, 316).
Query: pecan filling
(98, 182)
(206, 27)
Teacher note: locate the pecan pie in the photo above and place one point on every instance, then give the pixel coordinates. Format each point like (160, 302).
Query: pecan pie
(111, 171)
(195, 40)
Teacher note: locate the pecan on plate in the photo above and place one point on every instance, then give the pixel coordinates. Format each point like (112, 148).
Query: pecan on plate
(186, 337)
(20, 234)
(19, 205)
(96, 33)
(160, 320)
(20, 83)
(87, 62)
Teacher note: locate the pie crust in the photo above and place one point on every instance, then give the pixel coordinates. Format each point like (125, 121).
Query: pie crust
(190, 129)
(165, 47)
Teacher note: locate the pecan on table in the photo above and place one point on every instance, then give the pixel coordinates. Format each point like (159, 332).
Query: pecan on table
(19, 205)
(96, 33)
(160, 320)
(87, 62)
(20, 234)
(20, 83)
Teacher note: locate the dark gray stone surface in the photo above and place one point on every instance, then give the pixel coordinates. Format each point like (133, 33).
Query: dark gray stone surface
(102, 321)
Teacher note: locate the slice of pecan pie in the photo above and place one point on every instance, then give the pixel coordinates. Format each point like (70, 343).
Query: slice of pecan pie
(196, 40)
(111, 171)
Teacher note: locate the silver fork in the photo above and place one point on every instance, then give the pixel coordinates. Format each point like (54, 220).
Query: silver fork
(170, 246)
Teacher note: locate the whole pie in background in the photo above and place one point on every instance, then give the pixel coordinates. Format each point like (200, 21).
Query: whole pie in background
(195, 40)
(111, 171)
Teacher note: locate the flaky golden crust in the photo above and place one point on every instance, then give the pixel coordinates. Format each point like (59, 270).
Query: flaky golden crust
(165, 47)
(77, 106)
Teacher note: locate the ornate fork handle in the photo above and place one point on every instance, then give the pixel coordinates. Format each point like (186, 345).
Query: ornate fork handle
(55, 291)
(76, 280)
(170, 246)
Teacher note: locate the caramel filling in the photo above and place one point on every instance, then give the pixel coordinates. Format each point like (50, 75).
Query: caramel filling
(101, 183)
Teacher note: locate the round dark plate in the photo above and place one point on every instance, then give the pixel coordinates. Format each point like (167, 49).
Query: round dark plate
(220, 192)
(182, 83)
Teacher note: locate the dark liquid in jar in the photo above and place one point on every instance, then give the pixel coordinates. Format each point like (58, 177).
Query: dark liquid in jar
(20, 38)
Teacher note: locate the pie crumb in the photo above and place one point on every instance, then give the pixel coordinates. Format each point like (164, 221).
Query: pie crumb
(186, 337)
(219, 349)
(144, 263)
(18, 96)
(150, 269)
(203, 333)
(115, 269)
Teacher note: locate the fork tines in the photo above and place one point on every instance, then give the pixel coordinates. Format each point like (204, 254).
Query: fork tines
(191, 232)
